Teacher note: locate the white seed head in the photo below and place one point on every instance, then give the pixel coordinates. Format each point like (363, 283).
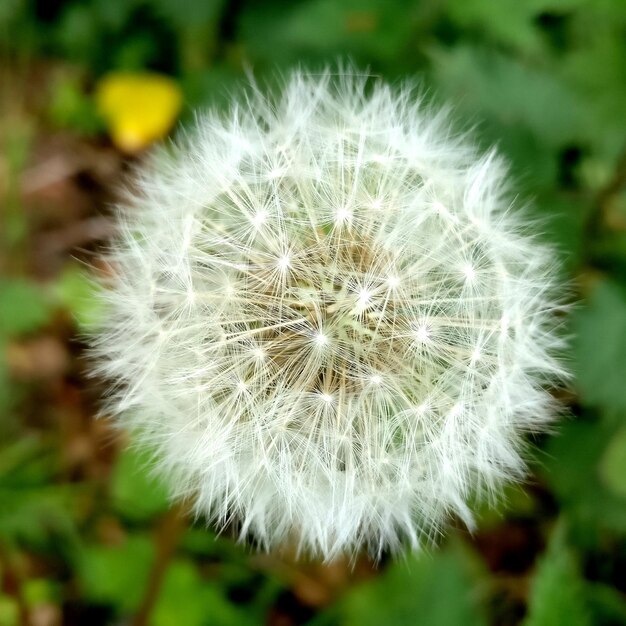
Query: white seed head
(327, 320)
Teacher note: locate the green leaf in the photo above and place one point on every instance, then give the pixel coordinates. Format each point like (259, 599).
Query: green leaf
(24, 307)
(135, 492)
(556, 595)
(212, 88)
(78, 33)
(183, 599)
(612, 467)
(571, 468)
(436, 590)
(600, 345)
(188, 599)
(117, 575)
(113, 14)
(6, 388)
(368, 30)
(9, 611)
(40, 591)
(595, 64)
(32, 507)
(188, 13)
(561, 225)
(78, 292)
(35, 515)
(607, 604)
(506, 21)
(70, 107)
(511, 93)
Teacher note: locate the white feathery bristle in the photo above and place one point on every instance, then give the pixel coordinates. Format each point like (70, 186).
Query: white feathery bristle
(327, 320)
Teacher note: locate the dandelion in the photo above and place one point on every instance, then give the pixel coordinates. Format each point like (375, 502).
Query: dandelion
(328, 321)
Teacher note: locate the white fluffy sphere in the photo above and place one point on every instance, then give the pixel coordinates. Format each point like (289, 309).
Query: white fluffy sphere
(327, 320)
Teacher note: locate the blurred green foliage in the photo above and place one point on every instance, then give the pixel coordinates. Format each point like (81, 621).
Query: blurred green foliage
(439, 589)
(85, 535)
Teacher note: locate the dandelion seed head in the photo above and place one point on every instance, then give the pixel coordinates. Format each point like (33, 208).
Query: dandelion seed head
(327, 319)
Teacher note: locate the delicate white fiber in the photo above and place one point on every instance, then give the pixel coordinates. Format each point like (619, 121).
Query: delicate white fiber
(327, 319)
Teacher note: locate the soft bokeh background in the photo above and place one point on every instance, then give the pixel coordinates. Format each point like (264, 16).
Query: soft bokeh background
(85, 536)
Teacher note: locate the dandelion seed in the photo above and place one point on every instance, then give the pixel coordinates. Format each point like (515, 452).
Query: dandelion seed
(364, 299)
(469, 272)
(282, 385)
(422, 334)
(321, 339)
(476, 355)
(284, 263)
(259, 218)
(343, 215)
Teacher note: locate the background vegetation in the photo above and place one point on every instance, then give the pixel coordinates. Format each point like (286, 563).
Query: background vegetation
(85, 536)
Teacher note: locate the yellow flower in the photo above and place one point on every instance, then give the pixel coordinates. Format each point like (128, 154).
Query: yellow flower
(138, 108)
